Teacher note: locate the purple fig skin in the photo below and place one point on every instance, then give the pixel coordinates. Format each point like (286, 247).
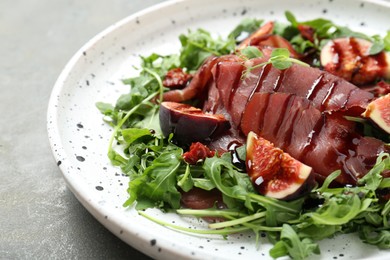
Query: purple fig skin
(303, 190)
(189, 124)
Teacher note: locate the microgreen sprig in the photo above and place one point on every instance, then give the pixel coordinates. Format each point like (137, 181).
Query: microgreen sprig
(279, 58)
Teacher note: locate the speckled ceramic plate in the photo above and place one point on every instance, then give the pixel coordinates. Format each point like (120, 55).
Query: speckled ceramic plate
(79, 138)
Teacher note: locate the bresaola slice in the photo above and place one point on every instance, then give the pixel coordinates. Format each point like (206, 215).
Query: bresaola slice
(286, 120)
(325, 142)
(198, 86)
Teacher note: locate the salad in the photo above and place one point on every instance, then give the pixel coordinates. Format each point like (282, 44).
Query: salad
(230, 130)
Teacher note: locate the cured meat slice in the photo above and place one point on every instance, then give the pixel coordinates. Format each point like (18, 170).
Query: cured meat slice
(326, 142)
(198, 86)
(326, 91)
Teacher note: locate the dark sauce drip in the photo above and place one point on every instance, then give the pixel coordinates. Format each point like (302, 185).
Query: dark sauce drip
(340, 158)
(329, 93)
(347, 152)
(261, 117)
(234, 88)
(343, 106)
(285, 108)
(288, 134)
(313, 202)
(337, 157)
(311, 57)
(278, 81)
(236, 161)
(308, 147)
(263, 74)
(315, 87)
(336, 49)
(360, 59)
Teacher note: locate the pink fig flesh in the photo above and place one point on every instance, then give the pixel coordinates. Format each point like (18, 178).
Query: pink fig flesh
(379, 112)
(275, 173)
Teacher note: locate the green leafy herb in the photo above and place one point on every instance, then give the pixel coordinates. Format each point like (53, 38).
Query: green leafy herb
(245, 28)
(199, 45)
(279, 58)
(325, 30)
(386, 41)
(251, 52)
(291, 244)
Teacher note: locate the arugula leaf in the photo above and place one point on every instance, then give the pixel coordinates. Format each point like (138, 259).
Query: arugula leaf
(326, 29)
(245, 27)
(199, 45)
(158, 181)
(185, 182)
(339, 210)
(132, 134)
(153, 68)
(373, 178)
(375, 236)
(386, 41)
(227, 179)
(291, 18)
(378, 45)
(105, 108)
(296, 247)
(251, 52)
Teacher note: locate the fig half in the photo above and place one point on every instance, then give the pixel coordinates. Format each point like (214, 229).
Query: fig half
(350, 58)
(275, 173)
(190, 124)
(379, 112)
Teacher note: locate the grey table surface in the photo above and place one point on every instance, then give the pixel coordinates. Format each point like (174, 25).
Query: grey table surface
(39, 217)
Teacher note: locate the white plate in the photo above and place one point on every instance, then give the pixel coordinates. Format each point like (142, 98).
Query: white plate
(79, 138)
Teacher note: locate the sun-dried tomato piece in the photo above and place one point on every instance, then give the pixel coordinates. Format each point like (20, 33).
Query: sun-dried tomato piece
(197, 151)
(306, 31)
(380, 89)
(176, 78)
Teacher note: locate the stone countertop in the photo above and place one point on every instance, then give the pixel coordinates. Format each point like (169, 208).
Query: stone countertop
(39, 217)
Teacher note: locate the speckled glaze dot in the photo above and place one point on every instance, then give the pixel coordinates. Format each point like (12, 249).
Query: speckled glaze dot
(99, 188)
(80, 158)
